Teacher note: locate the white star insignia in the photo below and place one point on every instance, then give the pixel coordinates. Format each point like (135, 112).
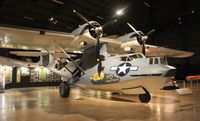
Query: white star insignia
(122, 69)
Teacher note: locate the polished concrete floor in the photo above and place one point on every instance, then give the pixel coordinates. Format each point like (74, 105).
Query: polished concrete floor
(44, 104)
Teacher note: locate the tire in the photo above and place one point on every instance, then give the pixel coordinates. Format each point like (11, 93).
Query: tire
(145, 98)
(64, 90)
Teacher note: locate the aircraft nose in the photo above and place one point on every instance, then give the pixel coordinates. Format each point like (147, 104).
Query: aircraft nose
(171, 72)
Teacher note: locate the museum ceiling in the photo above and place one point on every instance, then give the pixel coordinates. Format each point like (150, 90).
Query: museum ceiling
(57, 14)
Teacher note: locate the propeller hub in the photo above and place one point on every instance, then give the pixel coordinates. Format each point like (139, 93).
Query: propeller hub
(96, 30)
(144, 38)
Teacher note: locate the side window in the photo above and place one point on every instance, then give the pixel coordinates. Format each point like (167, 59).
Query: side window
(162, 61)
(165, 60)
(151, 61)
(156, 61)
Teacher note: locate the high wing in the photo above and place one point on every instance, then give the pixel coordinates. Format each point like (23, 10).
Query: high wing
(47, 41)
(41, 40)
(152, 50)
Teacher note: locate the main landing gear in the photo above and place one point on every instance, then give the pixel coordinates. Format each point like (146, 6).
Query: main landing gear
(145, 98)
(64, 90)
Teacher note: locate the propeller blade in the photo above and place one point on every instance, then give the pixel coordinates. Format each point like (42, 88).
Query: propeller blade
(99, 68)
(143, 48)
(109, 23)
(151, 32)
(97, 48)
(134, 29)
(83, 18)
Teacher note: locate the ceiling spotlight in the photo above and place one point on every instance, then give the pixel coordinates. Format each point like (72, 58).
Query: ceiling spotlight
(120, 12)
(193, 11)
(51, 19)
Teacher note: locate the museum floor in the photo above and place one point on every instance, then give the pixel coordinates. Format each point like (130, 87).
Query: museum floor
(44, 104)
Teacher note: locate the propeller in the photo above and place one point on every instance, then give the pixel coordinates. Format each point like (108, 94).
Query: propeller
(82, 17)
(142, 37)
(96, 31)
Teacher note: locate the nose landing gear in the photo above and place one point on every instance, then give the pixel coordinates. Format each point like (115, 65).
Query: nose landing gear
(64, 90)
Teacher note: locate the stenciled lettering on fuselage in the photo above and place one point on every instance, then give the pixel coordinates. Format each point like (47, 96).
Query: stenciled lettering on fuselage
(123, 69)
(104, 78)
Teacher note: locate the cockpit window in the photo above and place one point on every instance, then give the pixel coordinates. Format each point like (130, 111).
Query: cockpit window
(126, 58)
(156, 61)
(131, 57)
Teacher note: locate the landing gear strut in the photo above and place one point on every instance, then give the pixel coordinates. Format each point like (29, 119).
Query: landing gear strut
(145, 98)
(64, 90)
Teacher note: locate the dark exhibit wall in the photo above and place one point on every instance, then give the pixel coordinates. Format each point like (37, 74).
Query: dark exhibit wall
(184, 37)
(177, 25)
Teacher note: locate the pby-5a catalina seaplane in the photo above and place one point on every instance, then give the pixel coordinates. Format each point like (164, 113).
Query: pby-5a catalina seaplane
(96, 69)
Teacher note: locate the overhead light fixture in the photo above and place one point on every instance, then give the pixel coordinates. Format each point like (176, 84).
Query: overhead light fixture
(147, 4)
(68, 27)
(29, 18)
(53, 20)
(120, 12)
(99, 17)
(57, 1)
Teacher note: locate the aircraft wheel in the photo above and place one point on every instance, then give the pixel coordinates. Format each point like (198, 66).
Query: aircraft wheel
(145, 98)
(64, 90)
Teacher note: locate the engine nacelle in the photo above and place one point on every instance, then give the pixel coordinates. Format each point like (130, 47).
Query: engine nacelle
(87, 28)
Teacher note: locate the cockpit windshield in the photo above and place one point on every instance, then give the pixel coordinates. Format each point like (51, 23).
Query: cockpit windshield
(132, 57)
